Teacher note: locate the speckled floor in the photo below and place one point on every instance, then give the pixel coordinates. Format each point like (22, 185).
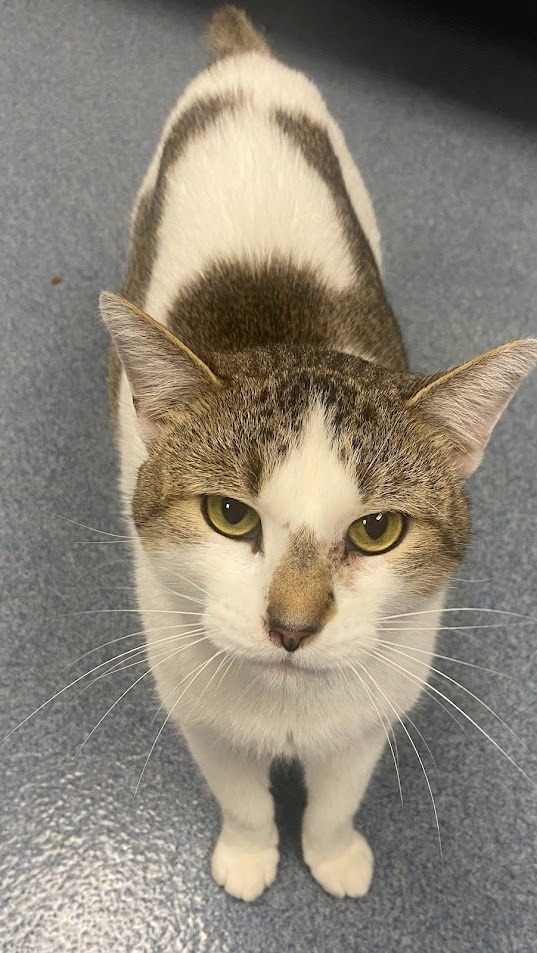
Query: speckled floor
(446, 137)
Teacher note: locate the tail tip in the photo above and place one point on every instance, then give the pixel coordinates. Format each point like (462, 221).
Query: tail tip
(231, 32)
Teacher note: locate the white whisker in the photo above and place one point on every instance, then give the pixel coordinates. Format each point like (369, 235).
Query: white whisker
(380, 718)
(130, 635)
(93, 529)
(462, 688)
(409, 736)
(100, 542)
(192, 583)
(117, 701)
(233, 659)
(419, 681)
(62, 691)
(141, 650)
(447, 658)
(182, 595)
(453, 628)
(197, 672)
(405, 615)
(200, 696)
(461, 579)
(137, 611)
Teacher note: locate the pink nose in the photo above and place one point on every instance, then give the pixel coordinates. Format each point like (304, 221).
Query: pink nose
(290, 639)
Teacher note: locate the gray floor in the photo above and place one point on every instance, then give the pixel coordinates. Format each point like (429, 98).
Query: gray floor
(445, 135)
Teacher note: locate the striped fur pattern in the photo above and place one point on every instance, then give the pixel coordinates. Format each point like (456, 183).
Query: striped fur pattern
(256, 356)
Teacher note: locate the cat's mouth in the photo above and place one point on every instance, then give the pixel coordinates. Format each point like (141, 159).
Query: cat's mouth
(289, 667)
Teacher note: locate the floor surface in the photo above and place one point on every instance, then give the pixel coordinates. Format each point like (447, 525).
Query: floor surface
(444, 129)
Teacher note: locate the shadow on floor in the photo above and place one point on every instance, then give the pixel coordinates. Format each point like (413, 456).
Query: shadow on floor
(483, 57)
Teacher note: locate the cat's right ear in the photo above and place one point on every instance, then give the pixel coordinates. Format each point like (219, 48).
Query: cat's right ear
(162, 372)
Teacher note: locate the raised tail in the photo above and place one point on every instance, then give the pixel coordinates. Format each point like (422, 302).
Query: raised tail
(231, 32)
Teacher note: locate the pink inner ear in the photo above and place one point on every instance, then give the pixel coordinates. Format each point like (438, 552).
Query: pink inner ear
(150, 429)
(470, 405)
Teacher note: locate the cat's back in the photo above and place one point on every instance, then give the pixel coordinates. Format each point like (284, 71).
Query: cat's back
(253, 224)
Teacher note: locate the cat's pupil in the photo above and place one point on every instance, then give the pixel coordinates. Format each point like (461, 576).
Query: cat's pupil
(234, 511)
(376, 525)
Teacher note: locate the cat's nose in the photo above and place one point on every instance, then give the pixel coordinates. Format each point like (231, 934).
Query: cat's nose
(290, 639)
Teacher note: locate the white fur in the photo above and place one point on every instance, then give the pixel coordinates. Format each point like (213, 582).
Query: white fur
(222, 200)
(311, 472)
(242, 191)
(315, 707)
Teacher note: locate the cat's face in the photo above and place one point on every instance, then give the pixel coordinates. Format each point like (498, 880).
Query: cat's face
(259, 493)
(307, 492)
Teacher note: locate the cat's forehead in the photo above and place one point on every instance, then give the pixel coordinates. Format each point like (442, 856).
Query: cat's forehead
(311, 484)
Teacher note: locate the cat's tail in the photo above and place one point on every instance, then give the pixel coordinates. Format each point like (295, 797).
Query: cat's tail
(231, 32)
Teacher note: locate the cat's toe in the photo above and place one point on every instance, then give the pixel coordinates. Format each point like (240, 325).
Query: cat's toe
(347, 874)
(244, 873)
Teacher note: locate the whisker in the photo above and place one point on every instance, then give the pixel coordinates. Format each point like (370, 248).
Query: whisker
(433, 688)
(100, 542)
(233, 659)
(462, 688)
(380, 718)
(409, 736)
(404, 615)
(200, 696)
(117, 701)
(191, 582)
(453, 628)
(115, 670)
(141, 650)
(92, 528)
(447, 658)
(197, 671)
(163, 702)
(420, 735)
(79, 585)
(130, 635)
(137, 611)
(182, 595)
(118, 561)
(61, 691)
(461, 579)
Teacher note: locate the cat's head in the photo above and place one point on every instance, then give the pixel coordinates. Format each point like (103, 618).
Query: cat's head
(309, 493)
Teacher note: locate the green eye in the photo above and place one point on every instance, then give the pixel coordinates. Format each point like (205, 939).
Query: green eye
(377, 532)
(231, 517)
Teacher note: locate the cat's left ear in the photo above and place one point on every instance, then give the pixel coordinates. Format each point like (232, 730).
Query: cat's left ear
(162, 372)
(468, 400)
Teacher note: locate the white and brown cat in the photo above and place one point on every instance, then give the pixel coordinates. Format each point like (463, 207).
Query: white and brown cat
(293, 490)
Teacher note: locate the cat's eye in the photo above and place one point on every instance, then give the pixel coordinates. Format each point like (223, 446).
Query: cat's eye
(377, 532)
(231, 517)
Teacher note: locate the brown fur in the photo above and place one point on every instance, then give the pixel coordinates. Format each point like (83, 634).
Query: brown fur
(232, 33)
(271, 335)
(366, 309)
(234, 305)
(229, 441)
(143, 241)
(301, 595)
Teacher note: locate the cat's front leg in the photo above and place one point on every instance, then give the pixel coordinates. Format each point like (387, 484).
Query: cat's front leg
(338, 856)
(245, 858)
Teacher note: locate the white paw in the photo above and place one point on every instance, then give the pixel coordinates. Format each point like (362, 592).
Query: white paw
(243, 872)
(347, 874)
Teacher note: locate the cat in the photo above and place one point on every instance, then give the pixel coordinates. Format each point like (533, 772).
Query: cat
(295, 494)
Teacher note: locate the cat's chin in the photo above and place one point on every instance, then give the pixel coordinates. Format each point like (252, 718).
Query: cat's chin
(289, 667)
